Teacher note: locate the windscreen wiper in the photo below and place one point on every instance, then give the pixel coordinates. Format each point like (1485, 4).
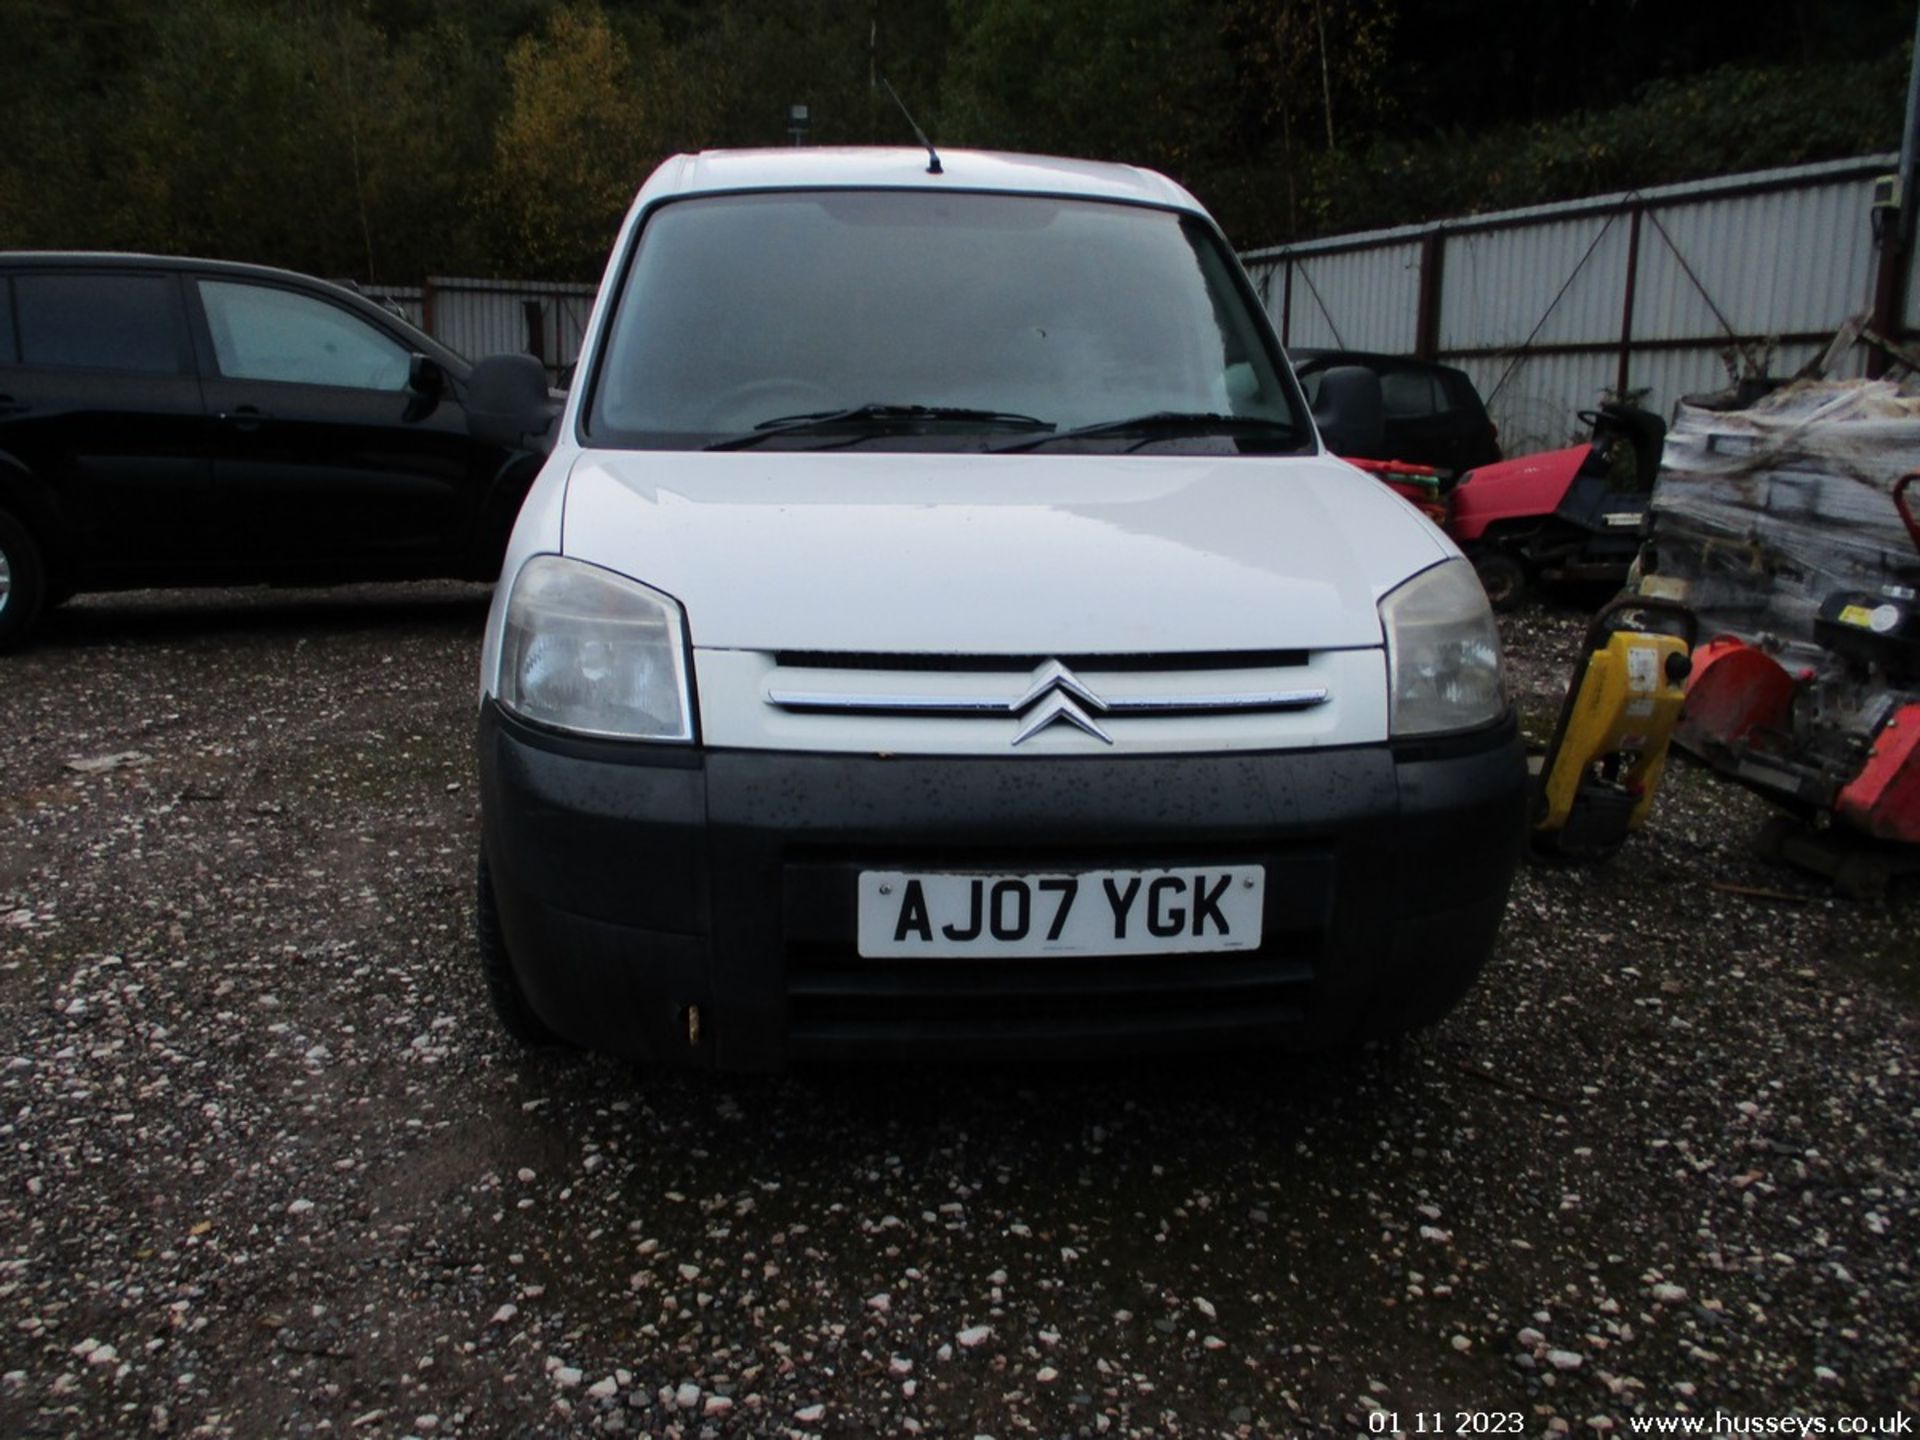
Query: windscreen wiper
(877, 417)
(1158, 423)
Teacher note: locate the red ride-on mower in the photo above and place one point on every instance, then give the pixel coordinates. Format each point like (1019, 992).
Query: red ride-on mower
(1572, 514)
(1562, 515)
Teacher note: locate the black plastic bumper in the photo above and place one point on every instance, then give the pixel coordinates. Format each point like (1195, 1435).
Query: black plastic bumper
(636, 882)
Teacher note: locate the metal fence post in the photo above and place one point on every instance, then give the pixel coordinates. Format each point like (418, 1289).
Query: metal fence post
(1623, 378)
(1426, 325)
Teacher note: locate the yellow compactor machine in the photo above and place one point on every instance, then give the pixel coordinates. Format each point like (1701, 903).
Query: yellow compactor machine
(1598, 777)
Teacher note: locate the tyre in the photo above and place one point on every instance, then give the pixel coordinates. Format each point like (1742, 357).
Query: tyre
(503, 986)
(23, 582)
(1502, 577)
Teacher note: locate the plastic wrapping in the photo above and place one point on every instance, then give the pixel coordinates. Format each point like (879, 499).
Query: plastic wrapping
(1764, 513)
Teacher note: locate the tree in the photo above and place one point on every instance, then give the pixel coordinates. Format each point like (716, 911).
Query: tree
(301, 136)
(279, 179)
(581, 130)
(1135, 80)
(64, 66)
(1301, 64)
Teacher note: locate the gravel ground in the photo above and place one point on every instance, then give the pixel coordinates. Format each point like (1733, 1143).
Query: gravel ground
(268, 1168)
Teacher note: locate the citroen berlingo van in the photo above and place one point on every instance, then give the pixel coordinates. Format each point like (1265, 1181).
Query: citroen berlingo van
(940, 631)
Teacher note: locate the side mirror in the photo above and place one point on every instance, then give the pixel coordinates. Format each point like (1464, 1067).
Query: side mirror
(425, 376)
(507, 400)
(1350, 414)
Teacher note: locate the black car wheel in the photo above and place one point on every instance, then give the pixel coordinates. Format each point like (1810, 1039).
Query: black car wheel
(23, 581)
(503, 986)
(1502, 577)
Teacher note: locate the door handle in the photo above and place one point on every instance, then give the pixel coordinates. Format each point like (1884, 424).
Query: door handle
(10, 406)
(246, 417)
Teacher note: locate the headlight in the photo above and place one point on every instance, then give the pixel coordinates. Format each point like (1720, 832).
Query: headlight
(1443, 653)
(590, 651)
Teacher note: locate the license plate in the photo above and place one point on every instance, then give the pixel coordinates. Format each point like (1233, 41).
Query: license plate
(1086, 912)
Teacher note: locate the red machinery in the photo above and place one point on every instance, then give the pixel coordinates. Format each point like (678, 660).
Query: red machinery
(1569, 514)
(1770, 528)
(1838, 742)
(1827, 720)
(1423, 486)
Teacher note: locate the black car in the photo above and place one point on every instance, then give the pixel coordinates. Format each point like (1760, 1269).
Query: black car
(1431, 414)
(172, 421)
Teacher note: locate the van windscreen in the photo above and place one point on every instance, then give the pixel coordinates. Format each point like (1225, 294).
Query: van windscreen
(738, 311)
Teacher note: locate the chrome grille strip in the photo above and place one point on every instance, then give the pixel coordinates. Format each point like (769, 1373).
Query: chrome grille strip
(1269, 700)
(1167, 663)
(960, 705)
(889, 704)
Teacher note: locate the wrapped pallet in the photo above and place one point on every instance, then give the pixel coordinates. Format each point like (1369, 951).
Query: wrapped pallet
(1780, 526)
(1766, 512)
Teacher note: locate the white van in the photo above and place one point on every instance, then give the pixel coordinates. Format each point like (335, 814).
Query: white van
(940, 631)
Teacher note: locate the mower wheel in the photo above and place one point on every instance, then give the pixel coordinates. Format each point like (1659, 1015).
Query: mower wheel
(1502, 577)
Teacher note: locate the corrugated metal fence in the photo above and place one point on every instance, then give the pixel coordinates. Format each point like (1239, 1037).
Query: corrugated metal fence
(497, 317)
(1654, 293)
(1554, 308)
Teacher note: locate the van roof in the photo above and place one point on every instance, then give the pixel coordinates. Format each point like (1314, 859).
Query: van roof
(864, 167)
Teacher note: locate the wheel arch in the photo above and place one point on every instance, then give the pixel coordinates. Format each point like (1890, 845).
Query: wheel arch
(500, 508)
(31, 501)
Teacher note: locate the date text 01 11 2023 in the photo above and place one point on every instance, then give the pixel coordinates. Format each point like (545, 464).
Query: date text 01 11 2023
(1447, 1422)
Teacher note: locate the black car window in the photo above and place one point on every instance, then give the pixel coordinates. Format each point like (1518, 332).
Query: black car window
(100, 322)
(261, 332)
(1409, 394)
(9, 352)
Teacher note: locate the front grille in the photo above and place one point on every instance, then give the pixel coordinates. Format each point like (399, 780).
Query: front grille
(831, 989)
(1168, 703)
(1001, 688)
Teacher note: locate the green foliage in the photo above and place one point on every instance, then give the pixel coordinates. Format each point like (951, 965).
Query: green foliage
(759, 59)
(61, 68)
(1732, 119)
(277, 91)
(1109, 79)
(389, 139)
(301, 135)
(574, 144)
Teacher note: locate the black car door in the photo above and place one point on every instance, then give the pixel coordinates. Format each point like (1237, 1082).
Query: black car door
(327, 463)
(99, 404)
